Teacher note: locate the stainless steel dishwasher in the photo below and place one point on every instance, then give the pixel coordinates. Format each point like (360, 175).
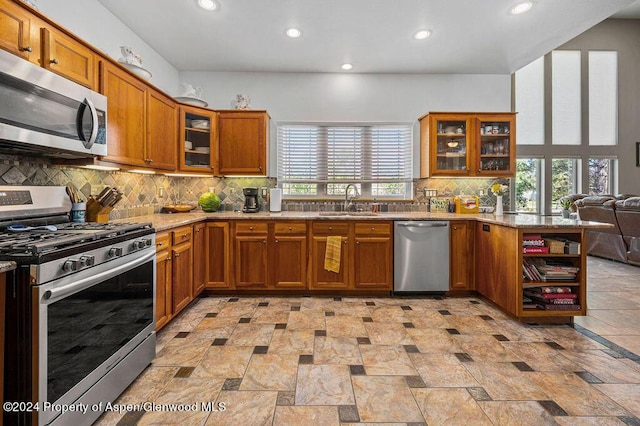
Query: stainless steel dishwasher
(421, 256)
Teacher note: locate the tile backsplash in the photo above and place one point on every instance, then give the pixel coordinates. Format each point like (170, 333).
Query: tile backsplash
(146, 194)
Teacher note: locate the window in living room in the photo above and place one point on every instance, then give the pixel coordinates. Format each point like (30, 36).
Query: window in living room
(602, 175)
(528, 184)
(603, 99)
(567, 105)
(566, 101)
(565, 179)
(320, 160)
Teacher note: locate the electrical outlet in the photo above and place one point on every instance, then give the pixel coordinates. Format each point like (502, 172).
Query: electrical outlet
(160, 192)
(481, 192)
(212, 189)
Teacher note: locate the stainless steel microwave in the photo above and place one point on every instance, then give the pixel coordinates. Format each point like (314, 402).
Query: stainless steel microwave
(42, 113)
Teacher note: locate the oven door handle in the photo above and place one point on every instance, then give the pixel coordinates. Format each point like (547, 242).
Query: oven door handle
(76, 286)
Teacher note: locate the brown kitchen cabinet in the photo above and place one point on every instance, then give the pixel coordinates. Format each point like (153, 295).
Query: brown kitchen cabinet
(24, 34)
(162, 124)
(182, 259)
(164, 279)
(142, 122)
(218, 256)
(250, 254)
(321, 279)
(467, 144)
(461, 246)
(15, 30)
(126, 115)
(199, 258)
(197, 143)
(373, 255)
(288, 255)
(243, 138)
(497, 266)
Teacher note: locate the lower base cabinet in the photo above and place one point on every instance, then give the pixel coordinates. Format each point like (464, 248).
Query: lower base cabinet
(164, 279)
(218, 256)
(366, 256)
(461, 255)
(174, 273)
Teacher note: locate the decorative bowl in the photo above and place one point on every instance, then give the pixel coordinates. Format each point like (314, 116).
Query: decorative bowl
(136, 69)
(191, 101)
(179, 208)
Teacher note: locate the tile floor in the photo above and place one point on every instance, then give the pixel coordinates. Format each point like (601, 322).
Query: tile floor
(331, 361)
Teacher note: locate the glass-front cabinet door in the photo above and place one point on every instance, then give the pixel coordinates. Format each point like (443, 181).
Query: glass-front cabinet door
(452, 149)
(197, 145)
(495, 151)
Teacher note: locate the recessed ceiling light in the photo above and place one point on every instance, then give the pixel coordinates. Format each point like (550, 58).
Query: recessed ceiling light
(521, 8)
(293, 32)
(422, 34)
(346, 67)
(208, 4)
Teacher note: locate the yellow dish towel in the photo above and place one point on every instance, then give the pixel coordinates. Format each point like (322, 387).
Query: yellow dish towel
(332, 255)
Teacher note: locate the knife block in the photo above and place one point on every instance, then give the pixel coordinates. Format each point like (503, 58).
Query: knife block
(96, 212)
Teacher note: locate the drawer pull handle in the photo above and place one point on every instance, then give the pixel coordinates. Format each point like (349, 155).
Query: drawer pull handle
(331, 228)
(264, 241)
(251, 228)
(54, 61)
(177, 254)
(373, 229)
(168, 258)
(277, 241)
(290, 228)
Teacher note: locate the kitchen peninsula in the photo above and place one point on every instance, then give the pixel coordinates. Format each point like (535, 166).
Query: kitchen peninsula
(282, 253)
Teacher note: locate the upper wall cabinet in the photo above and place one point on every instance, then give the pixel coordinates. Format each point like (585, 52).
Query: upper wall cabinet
(467, 144)
(243, 137)
(142, 123)
(25, 35)
(198, 148)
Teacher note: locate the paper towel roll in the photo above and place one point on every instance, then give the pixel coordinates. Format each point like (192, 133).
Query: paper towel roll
(275, 199)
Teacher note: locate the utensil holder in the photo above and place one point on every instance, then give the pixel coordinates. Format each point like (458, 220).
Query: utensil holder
(96, 212)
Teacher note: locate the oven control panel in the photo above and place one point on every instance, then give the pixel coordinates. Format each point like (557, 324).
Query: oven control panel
(94, 258)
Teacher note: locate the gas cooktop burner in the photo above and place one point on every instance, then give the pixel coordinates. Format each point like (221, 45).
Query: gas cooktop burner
(36, 242)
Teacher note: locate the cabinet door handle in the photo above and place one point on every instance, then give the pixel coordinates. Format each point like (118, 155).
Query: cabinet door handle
(290, 228)
(27, 49)
(345, 241)
(331, 228)
(177, 255)
(357, 242)
(277, 241)
(54, 61)
(168, 258)
(455, 228)
(373, 229)
(264, 241)
(184, 236)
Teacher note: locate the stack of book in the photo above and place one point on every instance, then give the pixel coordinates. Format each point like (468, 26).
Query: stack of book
(538, 269)
(533, 243)
(551, 298)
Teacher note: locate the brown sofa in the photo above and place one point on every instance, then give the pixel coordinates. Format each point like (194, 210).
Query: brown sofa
(622, 241)
(628, 215)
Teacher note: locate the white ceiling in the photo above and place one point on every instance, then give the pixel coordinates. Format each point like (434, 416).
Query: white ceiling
(469, 36)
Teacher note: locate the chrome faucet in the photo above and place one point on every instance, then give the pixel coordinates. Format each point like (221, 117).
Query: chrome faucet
(348, 202)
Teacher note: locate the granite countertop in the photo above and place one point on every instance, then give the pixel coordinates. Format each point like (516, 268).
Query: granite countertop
(162, 221)
(6, 266)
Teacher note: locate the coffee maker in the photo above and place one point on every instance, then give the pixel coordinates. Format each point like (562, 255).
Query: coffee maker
(250, 200)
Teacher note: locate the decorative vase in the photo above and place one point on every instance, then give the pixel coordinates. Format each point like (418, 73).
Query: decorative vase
(565, 213)
(499, 211)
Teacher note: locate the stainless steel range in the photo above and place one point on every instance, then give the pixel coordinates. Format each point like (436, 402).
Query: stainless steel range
(80, 323)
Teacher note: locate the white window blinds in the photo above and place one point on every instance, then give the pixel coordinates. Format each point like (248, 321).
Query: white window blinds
(320, 160)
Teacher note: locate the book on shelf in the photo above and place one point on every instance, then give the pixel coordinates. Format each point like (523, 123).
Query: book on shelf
(552, 307)
(537, 269)
(533, 249)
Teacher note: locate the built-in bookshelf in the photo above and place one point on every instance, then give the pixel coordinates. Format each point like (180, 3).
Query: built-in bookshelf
(553, 273)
